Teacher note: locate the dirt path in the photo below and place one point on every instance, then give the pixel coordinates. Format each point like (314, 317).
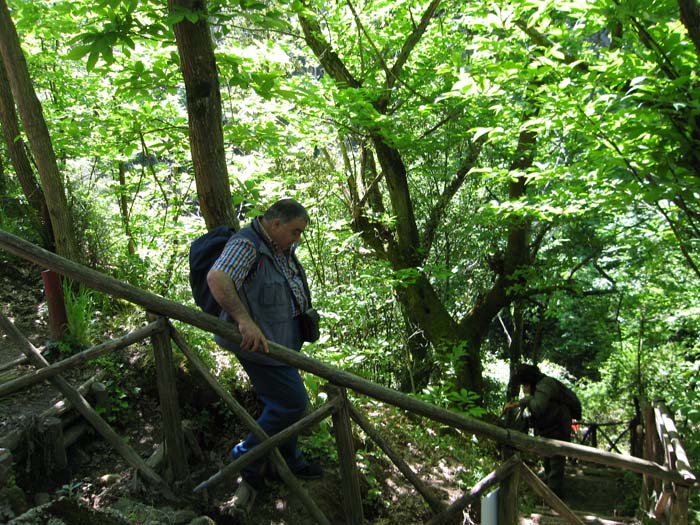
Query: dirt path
(21, 300)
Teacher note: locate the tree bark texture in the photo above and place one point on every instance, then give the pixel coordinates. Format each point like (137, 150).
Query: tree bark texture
(23, 168)
(124, 209)
(690, 16)
(32, 117)
(198, 66)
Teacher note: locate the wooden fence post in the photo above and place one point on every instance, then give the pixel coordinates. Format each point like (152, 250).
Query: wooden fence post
(58, 319)
(350, 483)
(508, 499)
(594, 435)
(679, 506)
(650, 486)
(5, 466)
(169, 405)
(53, 440)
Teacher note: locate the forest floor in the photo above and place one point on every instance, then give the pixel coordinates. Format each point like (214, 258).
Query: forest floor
(99, 479)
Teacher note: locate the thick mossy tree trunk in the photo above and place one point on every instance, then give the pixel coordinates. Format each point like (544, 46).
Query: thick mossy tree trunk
(31, 113)
(198, 66)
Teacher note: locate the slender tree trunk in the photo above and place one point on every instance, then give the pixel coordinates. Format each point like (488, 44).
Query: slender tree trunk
(515, 348)
(124, 209)
(415, 375)
(32, 117)
(198, 66)
(3, 178)
(23, 168)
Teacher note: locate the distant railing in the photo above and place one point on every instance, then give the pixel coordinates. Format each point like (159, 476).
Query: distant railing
(162, 332)
(594, 431)
(590, 432)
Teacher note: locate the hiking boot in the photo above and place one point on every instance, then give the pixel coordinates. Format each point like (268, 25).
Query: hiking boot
(308, 470)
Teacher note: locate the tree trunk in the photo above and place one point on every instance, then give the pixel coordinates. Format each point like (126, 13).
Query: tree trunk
(402, 244)
(198, 66)
(124, 209)
(18, 156)
(515, 348)
(418, 364)
(38, 134)
(690, 16)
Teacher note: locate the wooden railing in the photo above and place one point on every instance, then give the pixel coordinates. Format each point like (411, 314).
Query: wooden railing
(667, 501)
(338, 407)
(594, 431)
(591, 432)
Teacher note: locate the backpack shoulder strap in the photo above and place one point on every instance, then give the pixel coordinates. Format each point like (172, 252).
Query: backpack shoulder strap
(251, 235)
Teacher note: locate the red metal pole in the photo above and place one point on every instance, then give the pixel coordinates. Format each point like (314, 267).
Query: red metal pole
(53, 290)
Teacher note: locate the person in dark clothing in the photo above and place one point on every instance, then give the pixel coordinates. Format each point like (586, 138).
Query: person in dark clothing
(262, 288)
(549, 416)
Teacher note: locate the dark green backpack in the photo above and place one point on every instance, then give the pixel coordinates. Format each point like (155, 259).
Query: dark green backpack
(569, 398)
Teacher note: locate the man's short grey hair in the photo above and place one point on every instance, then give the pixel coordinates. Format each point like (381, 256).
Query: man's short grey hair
(286, 210)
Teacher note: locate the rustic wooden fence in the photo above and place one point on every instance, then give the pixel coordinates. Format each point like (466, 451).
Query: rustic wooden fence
(671, 479)
(665, 500)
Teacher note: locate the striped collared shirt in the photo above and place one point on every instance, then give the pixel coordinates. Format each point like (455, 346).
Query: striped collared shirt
(239, 256)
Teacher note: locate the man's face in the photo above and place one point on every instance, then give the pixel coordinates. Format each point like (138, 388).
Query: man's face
(286, 234)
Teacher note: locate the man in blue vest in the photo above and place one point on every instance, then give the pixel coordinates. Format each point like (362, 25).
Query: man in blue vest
(262, 288)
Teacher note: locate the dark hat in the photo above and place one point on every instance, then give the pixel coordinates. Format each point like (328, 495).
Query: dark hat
(527, 374)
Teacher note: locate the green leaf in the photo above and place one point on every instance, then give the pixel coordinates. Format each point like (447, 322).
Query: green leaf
(92, 59)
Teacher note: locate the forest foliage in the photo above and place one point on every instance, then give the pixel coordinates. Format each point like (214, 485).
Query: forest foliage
(488, 182)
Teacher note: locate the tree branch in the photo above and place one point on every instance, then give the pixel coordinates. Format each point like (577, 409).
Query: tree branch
(392, 74)
(543, 41)
(437, 213)
(572, 290)
(324, 52)
(411, 42)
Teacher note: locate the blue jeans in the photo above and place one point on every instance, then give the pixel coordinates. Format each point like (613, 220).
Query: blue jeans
(282, 392)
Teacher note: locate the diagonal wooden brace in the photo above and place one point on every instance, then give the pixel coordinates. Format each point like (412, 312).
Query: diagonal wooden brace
(82, 406)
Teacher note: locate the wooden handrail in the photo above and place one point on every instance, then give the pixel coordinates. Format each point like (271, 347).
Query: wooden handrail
(85, 409)
(492, 479)
(270, 443)
(668, 502)
(174, 310)
(42, 374)
(682, 464)
(397, 460)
